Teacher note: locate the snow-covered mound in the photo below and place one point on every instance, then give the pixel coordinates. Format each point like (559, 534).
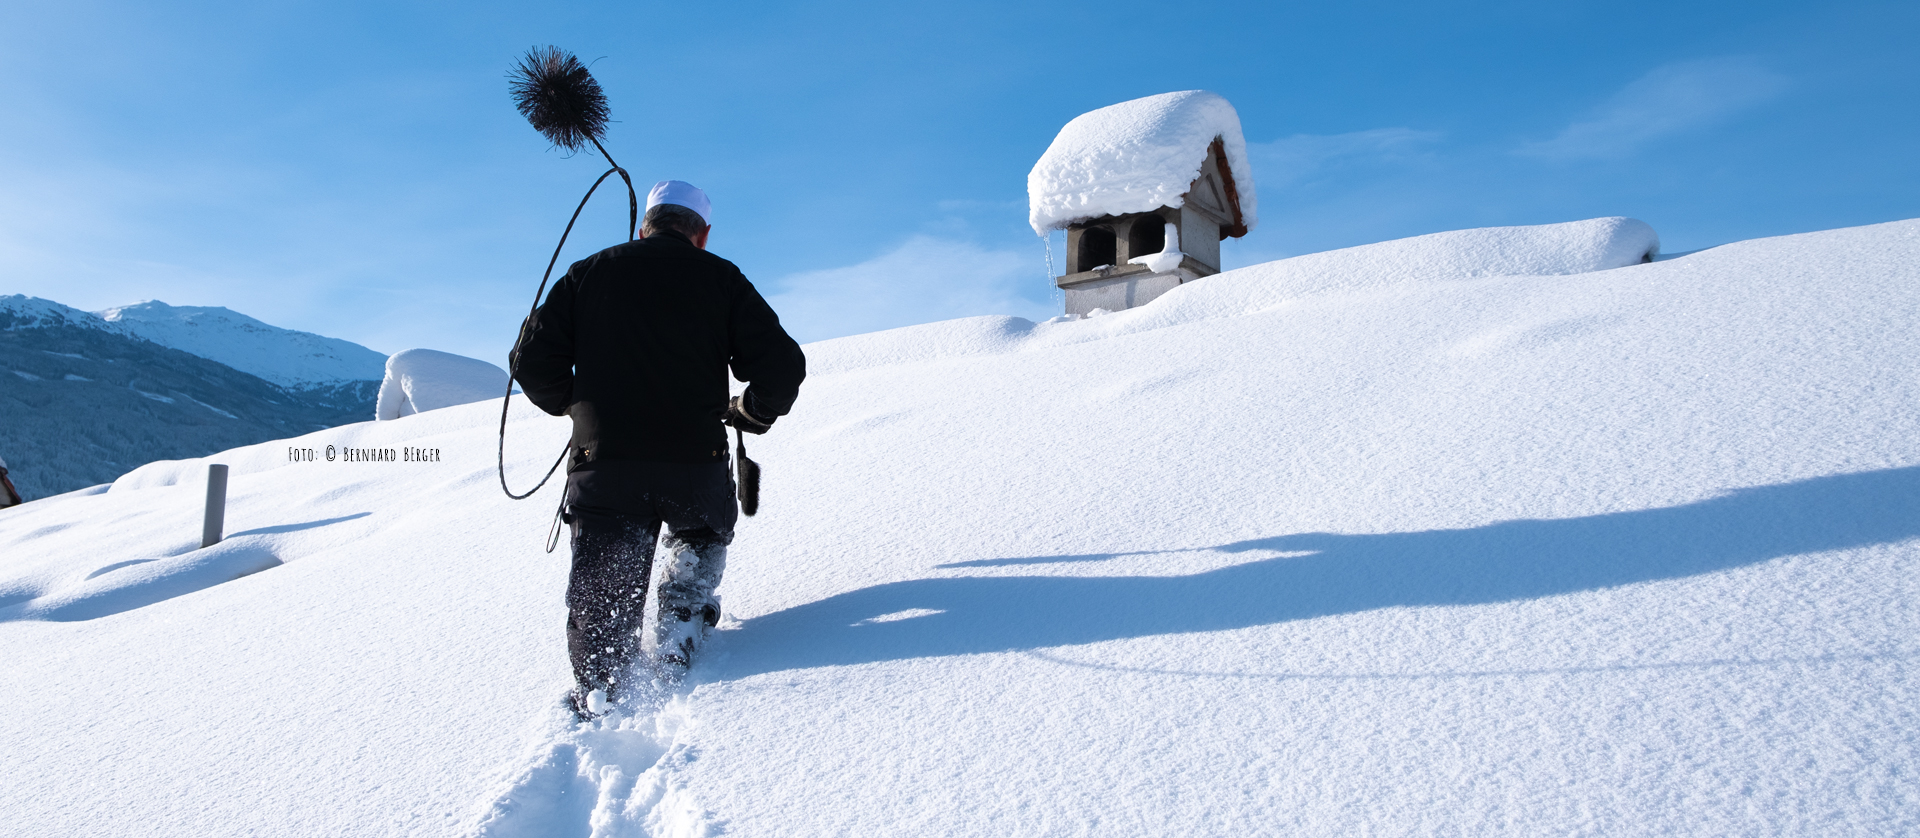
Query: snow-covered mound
(1135, 157)
(282, 356)
(1575, 247)
(1628, 552)
(1596, 244)
(419, 380)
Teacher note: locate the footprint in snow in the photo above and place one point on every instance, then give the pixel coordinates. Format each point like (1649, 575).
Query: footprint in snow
(607, 778)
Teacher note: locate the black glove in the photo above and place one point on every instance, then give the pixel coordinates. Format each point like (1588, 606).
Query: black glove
(738, 416)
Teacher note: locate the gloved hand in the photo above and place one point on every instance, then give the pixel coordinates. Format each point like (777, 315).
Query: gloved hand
(738, 416)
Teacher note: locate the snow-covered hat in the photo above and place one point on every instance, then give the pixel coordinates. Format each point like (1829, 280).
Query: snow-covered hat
(682, 193)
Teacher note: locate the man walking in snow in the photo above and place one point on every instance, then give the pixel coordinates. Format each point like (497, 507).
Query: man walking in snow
(634, 344)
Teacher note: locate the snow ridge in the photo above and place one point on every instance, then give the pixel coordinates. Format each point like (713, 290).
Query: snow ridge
(1542, 250)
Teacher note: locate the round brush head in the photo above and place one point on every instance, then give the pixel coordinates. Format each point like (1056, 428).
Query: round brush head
(554, 91)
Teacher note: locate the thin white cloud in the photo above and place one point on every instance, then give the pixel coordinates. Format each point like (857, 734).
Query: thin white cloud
(925, 279)
(1297, 158)
(1670, 100)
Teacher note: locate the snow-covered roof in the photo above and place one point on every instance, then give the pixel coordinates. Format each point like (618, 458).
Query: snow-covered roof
(1136, 157)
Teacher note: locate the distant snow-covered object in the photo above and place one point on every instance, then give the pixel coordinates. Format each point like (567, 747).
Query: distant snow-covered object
(1136, 157)
(419, 380)
(283, 356)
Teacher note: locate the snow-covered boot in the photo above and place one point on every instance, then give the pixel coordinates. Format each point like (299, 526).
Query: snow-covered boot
(686, 607)
(683, 631)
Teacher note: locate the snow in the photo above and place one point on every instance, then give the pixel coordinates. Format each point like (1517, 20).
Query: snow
(1595, 244)
(1136, 156)
(24, 312)
(297, 360)
(420, 380)
(1169, 256)
(1338, 544)
(282, 356)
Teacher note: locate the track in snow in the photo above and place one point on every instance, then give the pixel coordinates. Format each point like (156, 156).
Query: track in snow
(611, 778)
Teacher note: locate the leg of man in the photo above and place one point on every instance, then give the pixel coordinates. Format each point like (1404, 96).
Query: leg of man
(699, 518)
(606, 597)
(694, 560)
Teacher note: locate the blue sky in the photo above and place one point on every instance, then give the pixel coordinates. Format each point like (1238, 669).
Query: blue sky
(357, 169)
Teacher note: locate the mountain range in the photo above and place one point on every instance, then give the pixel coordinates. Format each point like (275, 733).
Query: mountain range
(84, 396)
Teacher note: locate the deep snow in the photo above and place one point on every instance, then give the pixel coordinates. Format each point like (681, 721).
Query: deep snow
(419, 380)
(1334, 545)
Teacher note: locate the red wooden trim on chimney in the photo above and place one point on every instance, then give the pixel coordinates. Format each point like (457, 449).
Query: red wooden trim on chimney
(1219, 152)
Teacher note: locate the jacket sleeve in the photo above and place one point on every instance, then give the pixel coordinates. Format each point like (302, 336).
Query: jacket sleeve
(764, 356)
(542, 359)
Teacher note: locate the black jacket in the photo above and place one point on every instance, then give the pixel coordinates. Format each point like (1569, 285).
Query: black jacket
(635, 342)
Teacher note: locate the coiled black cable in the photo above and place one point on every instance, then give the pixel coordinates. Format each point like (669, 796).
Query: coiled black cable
(527, 326)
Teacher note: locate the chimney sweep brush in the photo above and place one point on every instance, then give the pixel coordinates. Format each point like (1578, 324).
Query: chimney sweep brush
(554, 91)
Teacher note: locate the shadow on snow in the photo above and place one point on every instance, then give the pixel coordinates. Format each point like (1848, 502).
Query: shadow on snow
(124, 586)
(1341, 574)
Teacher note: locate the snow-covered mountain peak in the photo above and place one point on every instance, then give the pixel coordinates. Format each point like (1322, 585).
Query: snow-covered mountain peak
(283, 356)
(23, 312)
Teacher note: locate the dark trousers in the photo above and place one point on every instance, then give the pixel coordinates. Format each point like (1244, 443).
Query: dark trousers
(616, 509)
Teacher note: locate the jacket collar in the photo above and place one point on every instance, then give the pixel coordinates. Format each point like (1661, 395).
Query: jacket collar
(670, 235)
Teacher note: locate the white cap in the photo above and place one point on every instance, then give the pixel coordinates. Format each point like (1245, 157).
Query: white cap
(683, 193)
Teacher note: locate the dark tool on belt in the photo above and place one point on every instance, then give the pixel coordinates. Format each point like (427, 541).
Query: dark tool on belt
(749, 484)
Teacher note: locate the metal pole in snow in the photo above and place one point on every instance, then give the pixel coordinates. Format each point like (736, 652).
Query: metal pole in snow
(216, 505)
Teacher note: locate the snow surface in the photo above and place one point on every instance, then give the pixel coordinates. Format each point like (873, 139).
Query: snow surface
(1595, 244)
(1295, 549)
(282, 356)
(1169, 256)
(1136, 156)
(420, 380)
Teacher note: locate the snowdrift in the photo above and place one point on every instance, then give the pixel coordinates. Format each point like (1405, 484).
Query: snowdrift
(1595, 244)
(419, 380)
(1296, 549)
